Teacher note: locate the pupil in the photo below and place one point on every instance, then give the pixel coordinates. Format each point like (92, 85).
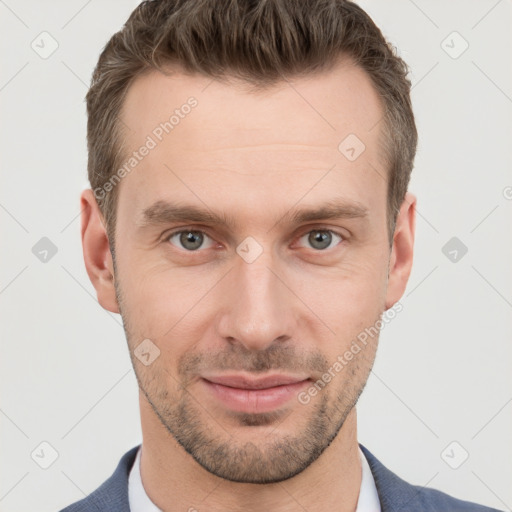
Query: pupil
(191, 240)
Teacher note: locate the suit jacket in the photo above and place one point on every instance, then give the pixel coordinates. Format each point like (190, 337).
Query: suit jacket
(395, 494)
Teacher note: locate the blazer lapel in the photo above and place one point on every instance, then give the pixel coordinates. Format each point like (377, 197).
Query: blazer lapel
(112, 495)
(394, 493)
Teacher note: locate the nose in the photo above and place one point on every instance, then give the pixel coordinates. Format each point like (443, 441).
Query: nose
(258, 308)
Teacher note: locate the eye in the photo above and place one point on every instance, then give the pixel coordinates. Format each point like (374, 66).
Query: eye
(190, 240)
(321, 239)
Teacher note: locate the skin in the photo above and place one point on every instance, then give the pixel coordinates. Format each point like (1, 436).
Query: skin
(294, 309)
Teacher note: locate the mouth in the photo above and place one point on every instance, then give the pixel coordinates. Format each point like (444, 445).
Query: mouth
(254, 395)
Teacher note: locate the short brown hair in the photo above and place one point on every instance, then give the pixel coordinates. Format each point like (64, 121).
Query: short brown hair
(260, 42)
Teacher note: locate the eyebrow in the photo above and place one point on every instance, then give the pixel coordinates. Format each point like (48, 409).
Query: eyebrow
(163, 212)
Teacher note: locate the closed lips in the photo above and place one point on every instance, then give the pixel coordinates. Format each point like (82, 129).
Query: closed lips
(243, 382)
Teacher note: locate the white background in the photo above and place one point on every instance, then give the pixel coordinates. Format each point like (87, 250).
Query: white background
(442, 372)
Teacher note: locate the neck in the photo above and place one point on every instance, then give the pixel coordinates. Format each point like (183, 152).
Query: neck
(174, 481)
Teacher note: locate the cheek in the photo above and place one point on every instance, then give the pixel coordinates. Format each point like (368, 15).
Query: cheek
(347, 298)
(161, 302)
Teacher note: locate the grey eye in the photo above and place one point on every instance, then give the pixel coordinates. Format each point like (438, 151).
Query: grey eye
(321, 239)
(189, 239)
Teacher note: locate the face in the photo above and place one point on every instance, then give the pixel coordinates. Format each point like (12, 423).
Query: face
(249, 246)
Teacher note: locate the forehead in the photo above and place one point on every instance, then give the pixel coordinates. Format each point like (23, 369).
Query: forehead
(211, 140)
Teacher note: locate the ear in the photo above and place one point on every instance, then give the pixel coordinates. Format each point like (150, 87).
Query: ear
(400, 262)
(96, 250)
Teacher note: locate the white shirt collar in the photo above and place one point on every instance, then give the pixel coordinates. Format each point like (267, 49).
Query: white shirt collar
(368, 497)
(139, 501)
(137, 497)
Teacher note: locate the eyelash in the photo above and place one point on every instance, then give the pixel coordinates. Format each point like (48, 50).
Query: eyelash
(168, 237)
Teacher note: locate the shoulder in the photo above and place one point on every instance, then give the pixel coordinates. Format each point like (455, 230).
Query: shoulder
(397, 495)
(111, 495)
(432, 499)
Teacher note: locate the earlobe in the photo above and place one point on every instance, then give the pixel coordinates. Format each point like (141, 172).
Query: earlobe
(400, 263)
(96, 251)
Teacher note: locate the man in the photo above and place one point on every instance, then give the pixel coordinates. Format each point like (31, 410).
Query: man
(249, 219)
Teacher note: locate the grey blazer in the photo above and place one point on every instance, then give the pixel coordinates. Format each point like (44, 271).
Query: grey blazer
(395, 495)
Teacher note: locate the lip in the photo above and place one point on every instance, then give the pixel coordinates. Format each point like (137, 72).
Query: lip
(241, 381)
(254, 395)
